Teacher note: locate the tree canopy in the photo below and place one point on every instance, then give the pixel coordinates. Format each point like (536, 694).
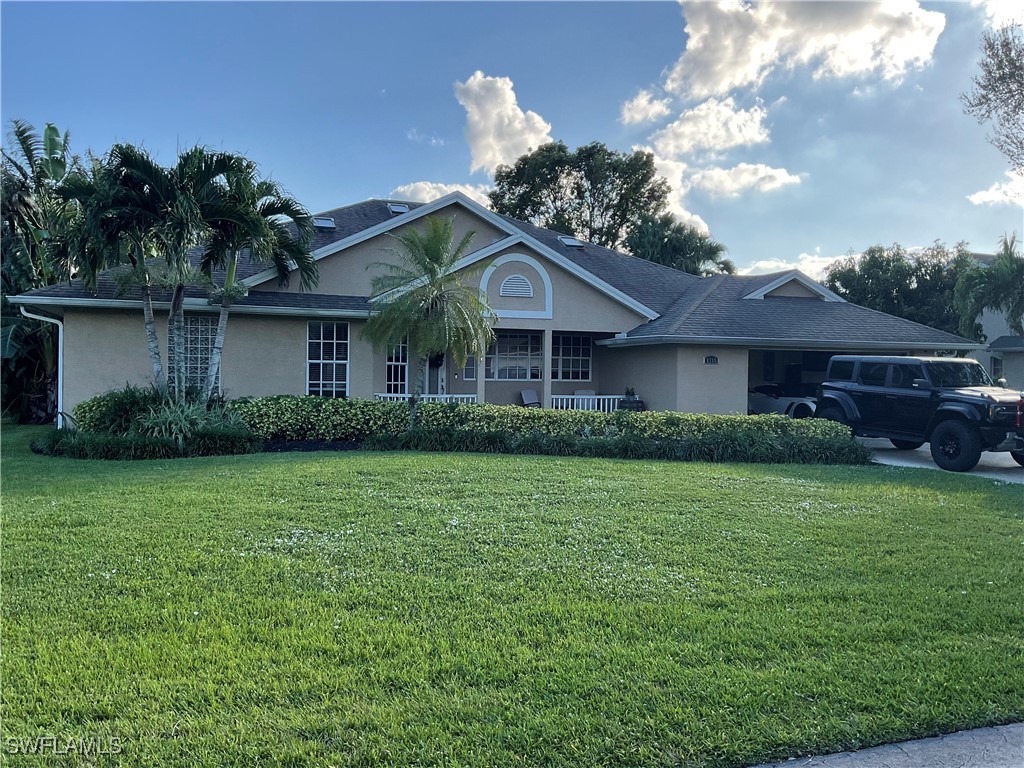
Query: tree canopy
(664, 240)
(997, 286)
(593, 193)
(915, 286)
(997, 94)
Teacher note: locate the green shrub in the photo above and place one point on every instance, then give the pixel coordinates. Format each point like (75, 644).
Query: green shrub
(288, 417)
(79, 444)
(117, 411)
(224, 440)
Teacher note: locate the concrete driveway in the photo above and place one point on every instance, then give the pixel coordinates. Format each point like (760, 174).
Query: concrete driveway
(997, 466)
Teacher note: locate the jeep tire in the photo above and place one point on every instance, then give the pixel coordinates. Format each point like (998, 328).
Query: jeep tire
(832, 413)
(906, 445)
(1018, 456)
(956, 446)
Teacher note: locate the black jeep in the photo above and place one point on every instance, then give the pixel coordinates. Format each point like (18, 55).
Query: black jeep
(948, 402)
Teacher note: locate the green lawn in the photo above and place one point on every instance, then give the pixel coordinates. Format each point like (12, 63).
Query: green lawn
(433, 609)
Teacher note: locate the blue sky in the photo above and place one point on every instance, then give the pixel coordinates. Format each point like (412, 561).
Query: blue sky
(796, 132)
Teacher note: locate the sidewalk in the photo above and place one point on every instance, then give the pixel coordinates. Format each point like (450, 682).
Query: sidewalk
(999, 747)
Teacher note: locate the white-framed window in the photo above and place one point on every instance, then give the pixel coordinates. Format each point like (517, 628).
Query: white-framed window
(514, 356)
(517, 286)
(200, 332)
(469, 371)
(327, 359)
(570, 357)
(397, 378)
(997, 367)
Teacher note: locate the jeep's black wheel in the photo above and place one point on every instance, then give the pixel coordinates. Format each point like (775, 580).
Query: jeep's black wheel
(906, 445)
(1018, 456)
(956, 446)
(831, 413)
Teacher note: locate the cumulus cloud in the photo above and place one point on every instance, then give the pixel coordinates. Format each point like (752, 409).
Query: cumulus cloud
(676, 173)
(999, 12)
(497, 130)
(732, 182)
(1009, 192)
(714, 125)
(425, 191)
(732, 44)
(644, 108)
(811, 264)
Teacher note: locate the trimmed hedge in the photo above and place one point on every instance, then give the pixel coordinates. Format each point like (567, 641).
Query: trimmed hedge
(513, 429)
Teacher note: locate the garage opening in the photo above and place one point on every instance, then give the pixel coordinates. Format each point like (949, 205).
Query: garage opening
(785, 380)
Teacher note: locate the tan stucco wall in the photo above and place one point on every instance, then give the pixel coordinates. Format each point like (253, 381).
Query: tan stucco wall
(105, 350)
(792, 288)
(496, 301)
(350, 272)
(718, 388)
(651, 371)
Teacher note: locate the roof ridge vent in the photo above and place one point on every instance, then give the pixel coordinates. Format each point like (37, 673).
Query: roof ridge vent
(323, 222)
(569, 241)
(397, 208)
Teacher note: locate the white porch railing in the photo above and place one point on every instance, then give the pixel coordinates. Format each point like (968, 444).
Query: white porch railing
(603, 403)
(427, 398)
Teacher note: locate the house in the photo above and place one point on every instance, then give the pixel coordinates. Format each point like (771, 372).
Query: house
(576, 323)
(1003, 352)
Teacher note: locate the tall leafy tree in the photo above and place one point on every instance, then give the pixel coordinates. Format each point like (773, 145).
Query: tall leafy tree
(664, 240)
(424, 300)
(916, 286)
(36, 252)
(997, 93)
(997, 286)
(256, 215)
(593, 193)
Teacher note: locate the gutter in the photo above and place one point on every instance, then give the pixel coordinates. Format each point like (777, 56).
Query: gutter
(767, 343)
(60, 360)
(192, 304)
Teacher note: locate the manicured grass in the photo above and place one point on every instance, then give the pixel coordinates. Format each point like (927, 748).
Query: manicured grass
(433, 609)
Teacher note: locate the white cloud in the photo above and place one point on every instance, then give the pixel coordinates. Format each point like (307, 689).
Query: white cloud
(714, 125)
(1000, 12)
(811, 264)
(497, 130)
(733, 44)
(1009, 192)
(732, 182)
(425, 191)
(434, 140)
(644, 108)
(675, 173)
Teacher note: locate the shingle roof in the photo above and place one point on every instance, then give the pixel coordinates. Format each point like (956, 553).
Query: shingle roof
(717, 309)
(689, 306)
(1007, 344)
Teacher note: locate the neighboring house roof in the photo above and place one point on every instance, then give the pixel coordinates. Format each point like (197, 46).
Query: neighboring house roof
(684, 308)
(1007, 344)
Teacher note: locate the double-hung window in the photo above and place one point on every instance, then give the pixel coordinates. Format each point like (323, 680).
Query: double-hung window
(570, 357)
(397, 379)
(327, 359)
(515, 356)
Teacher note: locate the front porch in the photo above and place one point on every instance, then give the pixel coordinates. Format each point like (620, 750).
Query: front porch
(581, 402)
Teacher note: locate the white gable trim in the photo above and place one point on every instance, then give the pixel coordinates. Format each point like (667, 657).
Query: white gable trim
(522, 258)
(795, 275)
(387, 226)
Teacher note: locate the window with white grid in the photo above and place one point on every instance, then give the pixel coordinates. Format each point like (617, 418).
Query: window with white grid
(327, 359)
(570, 357)
(514, 357)
(200, 333)
(397, 382)
(469, 372)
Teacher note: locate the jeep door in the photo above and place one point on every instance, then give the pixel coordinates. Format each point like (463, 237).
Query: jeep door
(911, 407)
(869, 397)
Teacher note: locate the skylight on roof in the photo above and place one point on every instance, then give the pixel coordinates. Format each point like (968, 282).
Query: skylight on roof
(397, 208)
(323, 222)
(569, 242)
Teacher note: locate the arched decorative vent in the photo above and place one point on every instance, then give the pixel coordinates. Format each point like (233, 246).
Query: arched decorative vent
(711, 360)
(516, 285)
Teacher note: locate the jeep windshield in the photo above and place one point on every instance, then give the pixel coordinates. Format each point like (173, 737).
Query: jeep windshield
(957, 373)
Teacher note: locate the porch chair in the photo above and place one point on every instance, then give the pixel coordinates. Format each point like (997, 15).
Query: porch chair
(530, 399)
(585, 399)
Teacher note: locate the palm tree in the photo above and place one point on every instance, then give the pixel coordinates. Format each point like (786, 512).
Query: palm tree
(999, 286)
(257, 215)
(36, 252)
(424, 300)
(671, 243)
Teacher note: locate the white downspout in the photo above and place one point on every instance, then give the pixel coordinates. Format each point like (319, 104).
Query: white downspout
(60, 360)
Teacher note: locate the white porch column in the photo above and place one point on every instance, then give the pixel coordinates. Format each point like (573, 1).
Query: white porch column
(481, 378)
(545, 375)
